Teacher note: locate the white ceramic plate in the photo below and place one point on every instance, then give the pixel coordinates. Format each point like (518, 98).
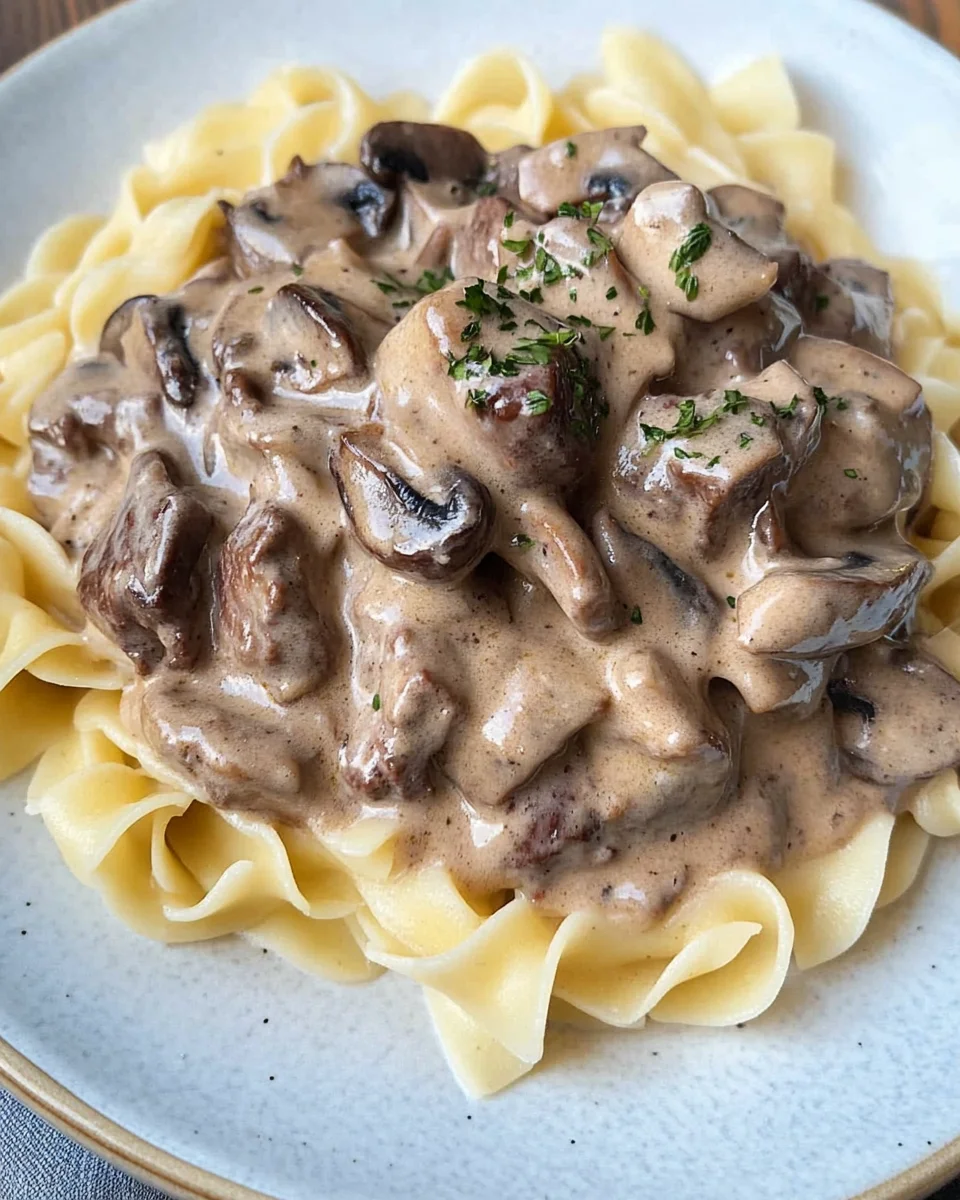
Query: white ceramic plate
(233, 1061)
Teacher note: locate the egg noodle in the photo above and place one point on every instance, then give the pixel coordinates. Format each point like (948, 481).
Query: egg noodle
(173, 868)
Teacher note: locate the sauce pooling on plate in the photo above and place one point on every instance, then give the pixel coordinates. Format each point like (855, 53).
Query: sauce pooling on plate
(537, 499)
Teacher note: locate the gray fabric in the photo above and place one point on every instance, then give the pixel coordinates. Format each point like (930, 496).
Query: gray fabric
(38, 1163)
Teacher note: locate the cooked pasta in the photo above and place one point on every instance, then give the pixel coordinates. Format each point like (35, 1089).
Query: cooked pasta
(493, 967)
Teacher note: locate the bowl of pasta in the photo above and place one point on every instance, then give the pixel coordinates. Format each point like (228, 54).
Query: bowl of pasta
(479, 523)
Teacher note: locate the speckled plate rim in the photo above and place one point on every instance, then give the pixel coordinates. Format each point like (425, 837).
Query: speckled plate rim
(181, 1180)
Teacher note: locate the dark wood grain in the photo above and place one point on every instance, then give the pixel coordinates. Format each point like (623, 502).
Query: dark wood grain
(26, 25)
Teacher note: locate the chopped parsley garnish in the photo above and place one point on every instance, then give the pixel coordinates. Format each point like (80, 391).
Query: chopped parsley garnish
(589, 210)
(756, 419)
(644, 321)
(851, 473)
(433, 281)
(533, 296)
(573, 295)
(823, 400)
(786, 410)
(732, 601)
(508, 218)
(571, 149)
(537, 403)
(636, 616)
(254, 291)
(477, 398)
(733, 401)
(520, 541)
(679, 453)
(517, 245)
(611, 293)
(469, 332)
(297, 270)
(745, 440)
(713, 461)
(841, 403)
(691, 424)
(402, 304)
(576, 319)
(478, 301)
(313, 363)
(375, 705)
(693, 247)
(486, 187)
(820, 302)
(604, 331)
(389, 284)
(502, 275)
(602, 244)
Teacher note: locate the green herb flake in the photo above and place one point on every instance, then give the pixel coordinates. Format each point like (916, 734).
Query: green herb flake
(502, 275)
(470, 331)
(732, 601)
(693, 247)
(841, 404)
(433, 281)
(313, 363)
(604, 331)
(486, 187)
(636, 616)
(537, 403)
(508, 218)
(756, 419)
(611, 293)
(745, 440)
(787, 411)
(254, 291)
(713, 461)
(678, 452)
(516, 245)
(820, 302)
(477, 398)
(644, 322)
(734, 401)
(520, 541)
(571, 149)
(297, 270)
(851, 473)
(375, 703)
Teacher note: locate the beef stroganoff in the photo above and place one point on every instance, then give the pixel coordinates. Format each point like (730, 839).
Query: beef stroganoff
(501, 549)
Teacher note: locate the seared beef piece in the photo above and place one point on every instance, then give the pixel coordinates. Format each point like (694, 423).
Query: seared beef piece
(140, 582)
(266, 619)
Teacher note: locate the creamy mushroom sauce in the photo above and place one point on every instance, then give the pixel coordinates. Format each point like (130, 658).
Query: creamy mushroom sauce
(538, 499)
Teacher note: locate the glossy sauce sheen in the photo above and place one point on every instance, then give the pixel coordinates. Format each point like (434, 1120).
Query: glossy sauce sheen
(446, 493)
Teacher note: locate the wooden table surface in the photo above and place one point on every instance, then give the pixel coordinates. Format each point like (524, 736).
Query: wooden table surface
(27, 24)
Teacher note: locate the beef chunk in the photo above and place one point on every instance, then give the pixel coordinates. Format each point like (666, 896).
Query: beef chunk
(267, 620)
(140, 582)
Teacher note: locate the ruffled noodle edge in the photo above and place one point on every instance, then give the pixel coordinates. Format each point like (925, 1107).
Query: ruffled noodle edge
(493, 970)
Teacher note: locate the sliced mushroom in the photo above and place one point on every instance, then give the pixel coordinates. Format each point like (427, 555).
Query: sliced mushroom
(164, 324)
(551, 548)
(897, 714)
(476, 247)
(850, 301)
(841, 369)
(139, 581)
(117, 324)
(422, 152)
(306, 210)
(726, 352)
(310, 339)
(436, 540)
(266, 616)
(817, 609)
(502, 177)
(758, 218)
(607, 165)
(714, 272)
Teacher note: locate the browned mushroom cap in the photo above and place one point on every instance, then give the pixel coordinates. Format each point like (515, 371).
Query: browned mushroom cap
(696, 265)
(897, 714)
(606, 165)
(307, 209)
(758, 218)
(117, 324)
(309, 338)
(822, 607)
(266, 618)
(840, 369)
(139, 582)
(851, 301)
(422, 152)
(403, 529)
(163, 324)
